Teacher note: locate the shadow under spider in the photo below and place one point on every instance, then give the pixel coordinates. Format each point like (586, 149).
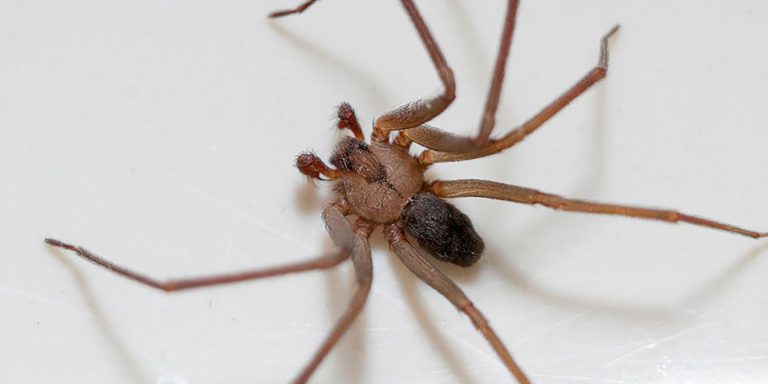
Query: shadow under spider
(130, 366)
(427, 323)
(707, 291)
(357, 76)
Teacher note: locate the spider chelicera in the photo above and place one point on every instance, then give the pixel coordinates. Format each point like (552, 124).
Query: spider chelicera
(382, 185)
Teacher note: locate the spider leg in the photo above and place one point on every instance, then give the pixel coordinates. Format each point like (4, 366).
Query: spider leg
(414, 114)
(402, 140)
(438, 140)
(518, 134)
(488, 120)
(427, 272)
(419, 112)
(285, 12)
(338, 227)
(494, 190)
(361, 259)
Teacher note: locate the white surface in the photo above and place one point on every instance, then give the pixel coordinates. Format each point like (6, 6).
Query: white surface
(161, 134)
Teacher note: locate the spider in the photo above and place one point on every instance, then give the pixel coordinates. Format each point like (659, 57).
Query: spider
(380, 184)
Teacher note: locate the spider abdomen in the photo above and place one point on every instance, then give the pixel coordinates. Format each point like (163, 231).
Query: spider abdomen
(377, 179)
(442, 229)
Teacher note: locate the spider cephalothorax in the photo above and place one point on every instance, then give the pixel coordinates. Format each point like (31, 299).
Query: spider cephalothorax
(377, 179)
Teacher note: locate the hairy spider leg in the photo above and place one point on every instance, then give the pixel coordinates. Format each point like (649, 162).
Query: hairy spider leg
(350, 243)
(518, 134)
(335, 221)
(363, 265)
(428, 273)
(500, 191)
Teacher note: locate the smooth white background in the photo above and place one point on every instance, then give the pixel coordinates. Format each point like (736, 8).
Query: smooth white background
(161, 134)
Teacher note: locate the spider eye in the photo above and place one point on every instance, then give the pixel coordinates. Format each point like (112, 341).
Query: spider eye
(442, 229)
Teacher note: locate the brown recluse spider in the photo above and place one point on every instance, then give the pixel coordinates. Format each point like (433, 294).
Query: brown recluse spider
(382, 184)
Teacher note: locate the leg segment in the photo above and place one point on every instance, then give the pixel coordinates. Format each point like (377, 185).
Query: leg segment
(361, 259)
(402, 140)
(488, 119)
(292, 11)
(338, 228)
(518, 134)
(439, 140)
(414, 114)
(441, 283)
(493, 190)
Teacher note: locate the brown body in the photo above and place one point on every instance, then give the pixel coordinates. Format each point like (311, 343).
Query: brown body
(377, 179)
